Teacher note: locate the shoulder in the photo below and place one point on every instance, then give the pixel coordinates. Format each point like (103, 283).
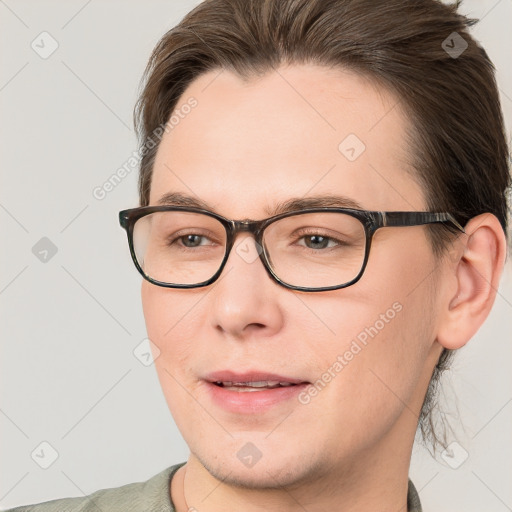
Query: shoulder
(153, 494)
(413, 499)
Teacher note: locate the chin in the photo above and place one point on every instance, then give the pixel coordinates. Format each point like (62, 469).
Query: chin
(271, 471)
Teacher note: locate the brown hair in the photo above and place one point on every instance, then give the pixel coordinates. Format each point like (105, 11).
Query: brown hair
(459, 148)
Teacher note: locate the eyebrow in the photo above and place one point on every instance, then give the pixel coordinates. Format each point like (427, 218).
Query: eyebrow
(289, 205)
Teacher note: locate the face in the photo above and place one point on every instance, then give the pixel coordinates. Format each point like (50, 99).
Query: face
(366, 352)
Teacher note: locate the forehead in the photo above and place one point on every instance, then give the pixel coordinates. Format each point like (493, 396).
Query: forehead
(293, 132)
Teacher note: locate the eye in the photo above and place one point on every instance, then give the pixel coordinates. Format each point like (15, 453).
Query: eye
(192, 240)
(317, 241)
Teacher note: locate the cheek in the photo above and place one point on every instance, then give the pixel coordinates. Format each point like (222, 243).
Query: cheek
(367, 375)
(151, 308)
(167, 314)
(376, 358)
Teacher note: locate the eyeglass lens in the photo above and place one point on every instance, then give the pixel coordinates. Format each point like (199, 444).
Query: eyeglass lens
(311, 250)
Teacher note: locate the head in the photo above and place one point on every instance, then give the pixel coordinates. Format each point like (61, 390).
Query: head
(258, 100)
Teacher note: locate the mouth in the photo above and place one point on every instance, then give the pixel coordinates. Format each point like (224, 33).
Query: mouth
(252, 386)
(252, 392)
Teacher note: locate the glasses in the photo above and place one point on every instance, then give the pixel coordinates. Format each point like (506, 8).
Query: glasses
(315, 249)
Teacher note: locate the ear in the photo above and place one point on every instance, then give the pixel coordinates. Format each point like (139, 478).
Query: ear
(475, 273)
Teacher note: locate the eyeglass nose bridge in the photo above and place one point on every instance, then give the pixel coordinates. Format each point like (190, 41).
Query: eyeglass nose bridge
(254, 227)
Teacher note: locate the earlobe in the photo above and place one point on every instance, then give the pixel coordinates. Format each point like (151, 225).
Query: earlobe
(477, 273)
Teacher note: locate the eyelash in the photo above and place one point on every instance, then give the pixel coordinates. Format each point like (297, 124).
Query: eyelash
(300, 236)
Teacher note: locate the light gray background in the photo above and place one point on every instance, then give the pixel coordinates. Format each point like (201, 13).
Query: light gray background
(69, 376)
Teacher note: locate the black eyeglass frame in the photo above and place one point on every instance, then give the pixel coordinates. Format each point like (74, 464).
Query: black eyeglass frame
(371, 221)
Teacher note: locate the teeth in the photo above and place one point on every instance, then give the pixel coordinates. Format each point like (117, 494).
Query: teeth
(243, 389)
(267, 384)
(257, 384)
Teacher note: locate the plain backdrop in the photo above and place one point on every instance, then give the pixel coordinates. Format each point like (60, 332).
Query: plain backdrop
(80, 408)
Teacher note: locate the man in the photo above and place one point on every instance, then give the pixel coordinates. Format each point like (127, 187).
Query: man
(361, 151)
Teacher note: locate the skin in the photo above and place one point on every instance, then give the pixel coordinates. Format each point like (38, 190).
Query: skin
(243, 149)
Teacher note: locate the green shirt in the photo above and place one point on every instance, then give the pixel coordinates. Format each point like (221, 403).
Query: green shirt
(150, 496)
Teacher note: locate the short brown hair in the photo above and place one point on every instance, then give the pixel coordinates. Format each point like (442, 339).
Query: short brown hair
(459, 148)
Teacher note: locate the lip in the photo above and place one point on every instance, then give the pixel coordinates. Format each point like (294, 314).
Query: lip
(252, 376)
(251, 402)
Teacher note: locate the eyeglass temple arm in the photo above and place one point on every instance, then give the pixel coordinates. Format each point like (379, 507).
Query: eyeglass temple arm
(417, 218)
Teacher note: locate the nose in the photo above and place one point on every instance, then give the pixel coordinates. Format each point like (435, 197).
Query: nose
(245, 300)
